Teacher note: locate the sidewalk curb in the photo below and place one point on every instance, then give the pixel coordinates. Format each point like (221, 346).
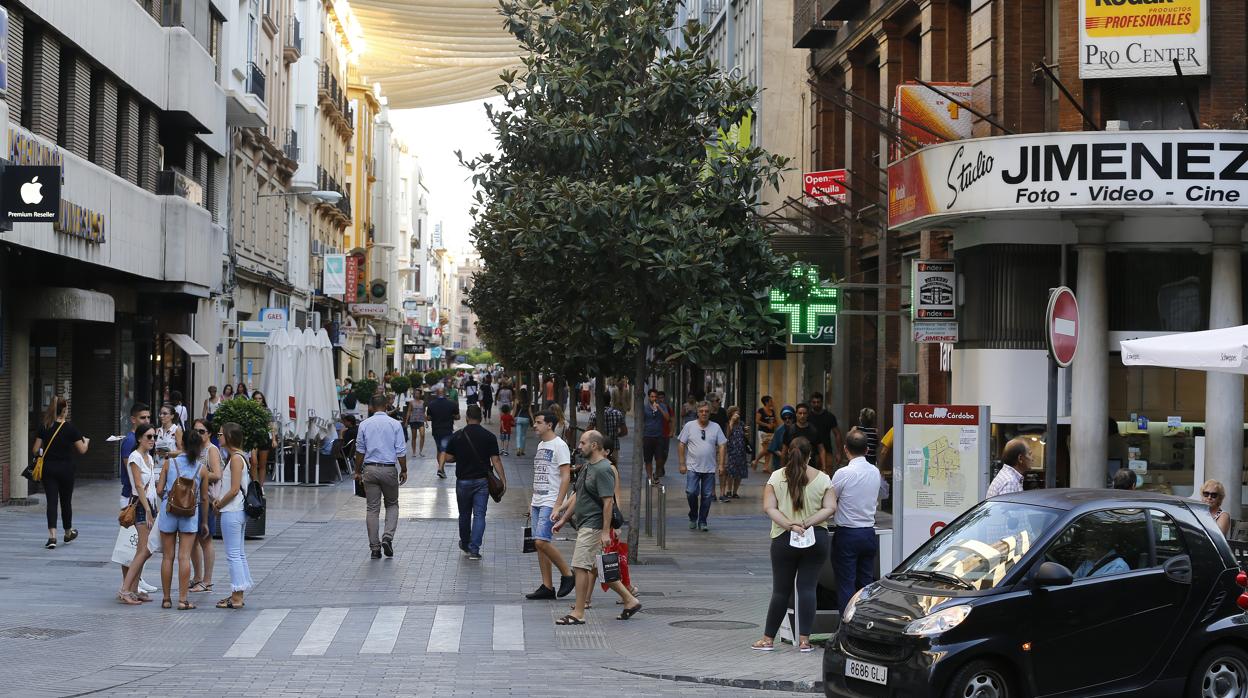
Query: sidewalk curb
(756, 684)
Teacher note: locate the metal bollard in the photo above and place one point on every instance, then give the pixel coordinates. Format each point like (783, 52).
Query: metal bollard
(661, 537)
(649, 508)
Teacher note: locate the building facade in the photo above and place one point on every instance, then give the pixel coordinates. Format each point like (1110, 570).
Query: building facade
(100, 306)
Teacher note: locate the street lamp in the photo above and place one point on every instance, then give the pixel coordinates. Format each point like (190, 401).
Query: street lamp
(325, 197)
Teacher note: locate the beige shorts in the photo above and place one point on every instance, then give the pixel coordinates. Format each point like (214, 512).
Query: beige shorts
(588, 548)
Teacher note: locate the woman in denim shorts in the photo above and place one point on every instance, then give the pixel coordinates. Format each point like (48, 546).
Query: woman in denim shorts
(177, 533)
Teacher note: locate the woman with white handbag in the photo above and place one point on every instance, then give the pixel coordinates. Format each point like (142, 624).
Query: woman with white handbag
(799, 500)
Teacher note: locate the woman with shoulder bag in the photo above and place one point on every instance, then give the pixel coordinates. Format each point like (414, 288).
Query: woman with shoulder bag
(181, 482)
(56, 444)
(141, 468)
(799, 500)
(234, 480)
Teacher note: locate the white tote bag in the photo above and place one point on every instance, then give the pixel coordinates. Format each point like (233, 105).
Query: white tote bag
(153, 536)
(126, 546)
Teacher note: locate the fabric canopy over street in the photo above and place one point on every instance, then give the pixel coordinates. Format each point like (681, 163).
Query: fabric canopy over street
(431, 52)
(1224, 350)
(188, 345)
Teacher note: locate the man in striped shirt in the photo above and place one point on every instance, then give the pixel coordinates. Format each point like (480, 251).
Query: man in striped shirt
(1017, 460)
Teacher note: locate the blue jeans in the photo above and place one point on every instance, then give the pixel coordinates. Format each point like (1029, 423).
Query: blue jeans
(473, 496)
(853, 559)
(522, 428)
(233, 523)
(699, 484)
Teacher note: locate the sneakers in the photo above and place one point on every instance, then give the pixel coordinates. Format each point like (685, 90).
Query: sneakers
(704, 528)
(505, 453)
(474, 556)
(442, 474)
(567, 585)
(51, 544)
(543, 592)
(376, 554)
(387, 547)
(145, 587)
(693, 525)
(464, 547)
(71, 534)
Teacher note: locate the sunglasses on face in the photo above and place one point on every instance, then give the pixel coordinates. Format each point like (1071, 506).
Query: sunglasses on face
(1210, 495)
(703, 434)
(202, 431)
(150, 437)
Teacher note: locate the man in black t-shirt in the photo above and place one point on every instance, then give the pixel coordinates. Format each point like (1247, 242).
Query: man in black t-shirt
(829, 431)
(473, 450)
(472, 389)
(441, 414)
(805, 429)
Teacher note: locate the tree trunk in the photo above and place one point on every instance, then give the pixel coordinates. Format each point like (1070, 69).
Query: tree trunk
(639, 473)
(569, 402)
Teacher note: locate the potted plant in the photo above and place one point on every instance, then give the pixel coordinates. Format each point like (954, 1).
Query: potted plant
(255, 421)
(363, 390)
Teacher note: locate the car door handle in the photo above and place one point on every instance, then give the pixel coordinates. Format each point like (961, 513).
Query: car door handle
(1179, 569)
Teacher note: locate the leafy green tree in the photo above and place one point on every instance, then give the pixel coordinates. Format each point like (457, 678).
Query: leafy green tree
(400, 384)
(617, 221)
(363, 390)
(251, 416)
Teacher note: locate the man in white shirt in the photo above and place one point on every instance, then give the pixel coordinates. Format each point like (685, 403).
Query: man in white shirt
(701, 449)
(1017, 460)
(552, 475)
(859, 488)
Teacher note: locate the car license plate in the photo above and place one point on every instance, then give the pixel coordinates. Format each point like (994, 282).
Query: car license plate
(874, 673)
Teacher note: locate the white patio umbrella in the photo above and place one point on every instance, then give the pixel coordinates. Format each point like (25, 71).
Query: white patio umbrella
(276, 367)
(297, 362)
(1223, 350)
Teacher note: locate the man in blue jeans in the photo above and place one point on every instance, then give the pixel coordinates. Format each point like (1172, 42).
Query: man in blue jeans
(473, 450)
(700, 450)
(859, 488)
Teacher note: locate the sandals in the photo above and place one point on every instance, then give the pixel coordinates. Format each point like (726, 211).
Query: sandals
(128, 598)
(202, 588)
(186, 606)
(570, 620)
(629, 612)
(764, 646)
(587, 606)
(228, 602)
(166, 604)
(805, 647)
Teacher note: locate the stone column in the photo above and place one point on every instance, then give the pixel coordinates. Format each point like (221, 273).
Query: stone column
(1224, 392)
(1089, 405)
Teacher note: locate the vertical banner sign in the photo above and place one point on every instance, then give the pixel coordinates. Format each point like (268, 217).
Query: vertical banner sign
(335, 281)
(941, 471)
(933, 287)
(1139, 38)
(351, 280)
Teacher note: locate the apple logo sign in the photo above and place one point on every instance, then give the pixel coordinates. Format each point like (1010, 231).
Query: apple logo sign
(31, 191)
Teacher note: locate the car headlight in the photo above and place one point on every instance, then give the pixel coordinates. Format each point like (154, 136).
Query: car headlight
(848, 614)
(936, 623)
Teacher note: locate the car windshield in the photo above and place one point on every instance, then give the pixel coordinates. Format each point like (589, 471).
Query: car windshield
(978, 550)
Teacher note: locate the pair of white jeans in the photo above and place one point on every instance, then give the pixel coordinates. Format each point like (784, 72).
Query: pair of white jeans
(233, 525)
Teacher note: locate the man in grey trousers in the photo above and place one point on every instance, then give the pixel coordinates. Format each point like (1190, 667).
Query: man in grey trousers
(381, 465)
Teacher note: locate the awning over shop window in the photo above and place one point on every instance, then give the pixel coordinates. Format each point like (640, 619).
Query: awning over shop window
(431, 52)
(188, 345)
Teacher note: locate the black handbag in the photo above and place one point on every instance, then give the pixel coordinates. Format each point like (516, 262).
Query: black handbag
(493, 482)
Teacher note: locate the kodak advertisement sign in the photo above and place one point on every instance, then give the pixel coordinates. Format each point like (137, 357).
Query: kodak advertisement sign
(1139, 38)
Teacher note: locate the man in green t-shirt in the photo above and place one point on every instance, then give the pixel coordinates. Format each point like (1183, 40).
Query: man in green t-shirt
(590, 506)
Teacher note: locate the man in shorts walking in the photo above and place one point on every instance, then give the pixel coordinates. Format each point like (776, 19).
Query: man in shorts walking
(591, 506)
(442, 414)
(552, 474)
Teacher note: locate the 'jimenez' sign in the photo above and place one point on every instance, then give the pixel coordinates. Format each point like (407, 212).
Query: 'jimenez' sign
(1136, 38)
(1088, 171)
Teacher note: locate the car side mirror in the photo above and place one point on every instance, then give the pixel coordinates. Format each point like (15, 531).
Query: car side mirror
(1052, 574)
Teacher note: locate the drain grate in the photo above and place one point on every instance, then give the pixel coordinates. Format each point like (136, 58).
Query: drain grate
(28, 633)
(681, 611)
(713, 624)
(76, 563)
(640, 593)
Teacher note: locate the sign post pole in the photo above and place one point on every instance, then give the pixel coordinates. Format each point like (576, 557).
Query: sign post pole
(1050, 430)
(1061, 330)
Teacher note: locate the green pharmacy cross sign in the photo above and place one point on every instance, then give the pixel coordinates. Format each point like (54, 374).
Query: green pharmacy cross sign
(811, 307)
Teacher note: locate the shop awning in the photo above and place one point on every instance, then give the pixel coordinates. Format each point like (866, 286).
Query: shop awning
(188, 345)
(431, 52)
(1223, 350)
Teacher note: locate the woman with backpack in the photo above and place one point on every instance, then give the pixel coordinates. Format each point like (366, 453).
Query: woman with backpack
(203, 557)
(180, 483)
(234, 481)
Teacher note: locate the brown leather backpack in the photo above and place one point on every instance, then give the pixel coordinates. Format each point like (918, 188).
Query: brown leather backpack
(182, 497)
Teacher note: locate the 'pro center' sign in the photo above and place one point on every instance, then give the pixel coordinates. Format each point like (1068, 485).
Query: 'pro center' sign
(1137, 38)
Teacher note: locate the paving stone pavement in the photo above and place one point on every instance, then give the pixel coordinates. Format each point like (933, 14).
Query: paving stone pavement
(325, 619)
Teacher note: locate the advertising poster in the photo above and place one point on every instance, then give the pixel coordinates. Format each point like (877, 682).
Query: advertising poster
(823, 188)
(1077, 170)
(935, 113)
(943, 459)
(335, 282)
(1138, 38)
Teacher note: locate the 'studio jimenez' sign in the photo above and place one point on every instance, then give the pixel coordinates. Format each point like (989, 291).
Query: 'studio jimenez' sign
(1088, 171)
(1137, 38)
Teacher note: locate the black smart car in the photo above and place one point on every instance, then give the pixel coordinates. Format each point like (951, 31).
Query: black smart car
(1052, 593)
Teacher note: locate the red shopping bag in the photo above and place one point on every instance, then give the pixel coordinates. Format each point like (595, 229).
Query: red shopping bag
(618, 546)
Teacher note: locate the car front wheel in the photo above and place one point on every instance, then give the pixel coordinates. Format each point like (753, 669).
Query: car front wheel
(1222, 672)
(980, 679)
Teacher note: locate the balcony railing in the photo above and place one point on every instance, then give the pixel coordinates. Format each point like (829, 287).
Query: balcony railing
(293, 46)
(810, 30)
(291, 146)
(255, 80)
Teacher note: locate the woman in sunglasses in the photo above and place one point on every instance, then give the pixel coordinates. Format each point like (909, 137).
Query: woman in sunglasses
(1212, 493)
(141, 468)
(203, 557)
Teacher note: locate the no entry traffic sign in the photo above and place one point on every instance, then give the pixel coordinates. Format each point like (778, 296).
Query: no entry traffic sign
(1062, 325)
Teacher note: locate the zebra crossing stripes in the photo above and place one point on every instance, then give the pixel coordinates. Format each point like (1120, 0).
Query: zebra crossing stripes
(335, 631)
